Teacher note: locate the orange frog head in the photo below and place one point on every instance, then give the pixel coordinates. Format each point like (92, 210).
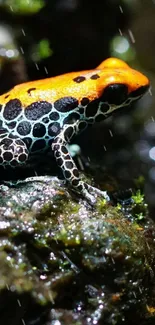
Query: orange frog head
(118, 85)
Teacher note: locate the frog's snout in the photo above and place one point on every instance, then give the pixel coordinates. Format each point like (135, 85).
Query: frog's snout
(140, 91)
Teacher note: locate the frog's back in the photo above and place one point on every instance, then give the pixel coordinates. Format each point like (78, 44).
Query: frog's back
(51, 89)
(36, 111)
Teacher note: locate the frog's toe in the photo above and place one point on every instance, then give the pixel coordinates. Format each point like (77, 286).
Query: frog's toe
(98, 192)
(91, 199)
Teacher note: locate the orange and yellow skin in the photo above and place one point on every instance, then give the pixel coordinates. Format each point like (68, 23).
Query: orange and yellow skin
(45, 114)
(111, 71)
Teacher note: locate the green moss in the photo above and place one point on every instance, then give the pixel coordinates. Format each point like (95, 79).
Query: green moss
(139, 207)
(138, 197)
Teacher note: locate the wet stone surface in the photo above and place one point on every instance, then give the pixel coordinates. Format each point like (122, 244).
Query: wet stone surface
(64, 263)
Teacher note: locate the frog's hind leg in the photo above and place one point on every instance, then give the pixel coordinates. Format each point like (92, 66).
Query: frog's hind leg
(13, 151)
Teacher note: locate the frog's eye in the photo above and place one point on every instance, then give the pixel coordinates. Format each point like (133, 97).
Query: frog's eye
(115, 94)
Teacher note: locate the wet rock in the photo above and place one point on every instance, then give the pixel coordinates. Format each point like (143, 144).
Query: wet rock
(64, 262)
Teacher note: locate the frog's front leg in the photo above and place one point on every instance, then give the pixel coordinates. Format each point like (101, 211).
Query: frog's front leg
(13, 151)
(69, 169)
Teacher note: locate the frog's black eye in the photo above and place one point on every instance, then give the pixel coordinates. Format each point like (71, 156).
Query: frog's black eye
(115, 94)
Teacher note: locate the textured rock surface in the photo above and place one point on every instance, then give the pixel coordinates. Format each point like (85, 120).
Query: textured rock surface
(62, 261)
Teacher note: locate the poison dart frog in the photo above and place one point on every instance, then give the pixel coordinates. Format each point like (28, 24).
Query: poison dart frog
(46, 114)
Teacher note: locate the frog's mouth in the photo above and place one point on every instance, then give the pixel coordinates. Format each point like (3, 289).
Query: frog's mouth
(139, 92)
(132, 97)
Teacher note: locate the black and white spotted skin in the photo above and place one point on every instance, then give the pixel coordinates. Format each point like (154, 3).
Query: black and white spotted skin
(26, 131)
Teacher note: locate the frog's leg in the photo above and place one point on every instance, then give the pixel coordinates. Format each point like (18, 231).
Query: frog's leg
(67, 165)
(13, 151)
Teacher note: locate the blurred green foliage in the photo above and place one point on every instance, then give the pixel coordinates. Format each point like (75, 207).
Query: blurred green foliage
(42, 50)
(22, 6)
(121, 47)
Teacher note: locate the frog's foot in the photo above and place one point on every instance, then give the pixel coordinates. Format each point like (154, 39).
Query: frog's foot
(13, 151)
(101, 193)
(91, 199)
(90, 193)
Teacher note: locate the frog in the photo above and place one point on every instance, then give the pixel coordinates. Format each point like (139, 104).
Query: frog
(42, 115)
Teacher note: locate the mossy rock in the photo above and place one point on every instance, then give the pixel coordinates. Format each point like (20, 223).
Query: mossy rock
(61, 260)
